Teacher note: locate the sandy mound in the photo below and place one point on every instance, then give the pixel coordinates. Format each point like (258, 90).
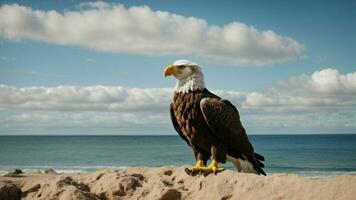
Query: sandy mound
(169, 183)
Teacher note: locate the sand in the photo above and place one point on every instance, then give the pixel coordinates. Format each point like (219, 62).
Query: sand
(166, 183)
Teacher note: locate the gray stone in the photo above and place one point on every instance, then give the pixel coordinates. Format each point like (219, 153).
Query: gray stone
(50, 171)
(18, 171)
(9, 191)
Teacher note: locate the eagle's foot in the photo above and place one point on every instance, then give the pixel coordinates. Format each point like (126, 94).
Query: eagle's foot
(213, 168)
(198, 168)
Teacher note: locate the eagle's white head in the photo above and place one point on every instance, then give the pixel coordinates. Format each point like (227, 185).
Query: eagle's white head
(189, 76)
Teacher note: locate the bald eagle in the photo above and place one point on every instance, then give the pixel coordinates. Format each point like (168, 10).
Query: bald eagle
(210, 125)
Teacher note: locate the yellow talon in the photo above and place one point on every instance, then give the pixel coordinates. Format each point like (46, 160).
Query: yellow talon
(213, 168)
(199, 167)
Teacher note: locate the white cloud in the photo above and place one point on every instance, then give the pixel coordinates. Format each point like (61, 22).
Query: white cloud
(85, 120)
(301, 103)
(324, 88)
(141, 30)
(73, 98)
(76, 107)
(327, 81)
(324, 101)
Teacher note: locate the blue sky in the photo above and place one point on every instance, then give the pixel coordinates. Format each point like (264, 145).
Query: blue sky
(322, 42)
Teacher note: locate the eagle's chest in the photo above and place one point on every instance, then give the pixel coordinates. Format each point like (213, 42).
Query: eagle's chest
(187, 112)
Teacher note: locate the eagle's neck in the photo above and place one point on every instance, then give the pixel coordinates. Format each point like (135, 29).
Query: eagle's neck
(191, 83)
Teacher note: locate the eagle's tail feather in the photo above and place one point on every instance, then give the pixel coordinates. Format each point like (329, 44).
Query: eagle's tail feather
(259, 157)
(259, 165)
(260, 171)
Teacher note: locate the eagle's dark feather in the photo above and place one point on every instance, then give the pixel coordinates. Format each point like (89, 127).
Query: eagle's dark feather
(224, 120)
(212, 127)
(176, 126)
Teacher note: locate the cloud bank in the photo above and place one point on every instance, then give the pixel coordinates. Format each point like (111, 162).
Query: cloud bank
(324, 88)
(324, 101)
(141, 30)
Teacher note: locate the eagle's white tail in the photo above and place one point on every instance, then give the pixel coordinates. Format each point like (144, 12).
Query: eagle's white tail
(241, 165)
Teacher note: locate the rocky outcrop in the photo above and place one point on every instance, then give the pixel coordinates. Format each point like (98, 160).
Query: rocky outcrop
(9, 191)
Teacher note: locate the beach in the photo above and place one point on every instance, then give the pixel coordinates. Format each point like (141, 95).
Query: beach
(170, 182)
(152, 167)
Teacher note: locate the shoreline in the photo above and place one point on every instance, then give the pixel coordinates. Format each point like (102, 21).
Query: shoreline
(170, 182)
(91, 169)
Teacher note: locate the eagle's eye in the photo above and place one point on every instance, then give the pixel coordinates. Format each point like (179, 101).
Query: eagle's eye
(180, 67)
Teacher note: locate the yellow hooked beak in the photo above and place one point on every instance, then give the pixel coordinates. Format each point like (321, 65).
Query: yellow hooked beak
(170, 70)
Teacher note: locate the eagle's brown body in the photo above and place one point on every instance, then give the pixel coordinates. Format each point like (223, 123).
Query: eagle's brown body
(212, 127)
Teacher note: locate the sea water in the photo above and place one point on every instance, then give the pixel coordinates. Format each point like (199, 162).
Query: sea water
(309, 155)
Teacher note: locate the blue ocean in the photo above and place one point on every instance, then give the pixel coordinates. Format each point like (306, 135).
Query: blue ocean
(309, 155)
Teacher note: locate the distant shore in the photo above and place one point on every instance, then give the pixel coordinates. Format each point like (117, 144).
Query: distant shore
(171, 182)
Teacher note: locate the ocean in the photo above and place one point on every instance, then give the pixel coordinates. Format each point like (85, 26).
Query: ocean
(308, 155)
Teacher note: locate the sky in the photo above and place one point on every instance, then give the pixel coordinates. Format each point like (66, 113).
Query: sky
(96, 67)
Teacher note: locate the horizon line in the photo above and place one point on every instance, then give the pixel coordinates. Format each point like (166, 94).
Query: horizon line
(155, 135)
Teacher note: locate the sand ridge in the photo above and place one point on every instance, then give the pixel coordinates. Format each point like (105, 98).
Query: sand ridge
(168, 183)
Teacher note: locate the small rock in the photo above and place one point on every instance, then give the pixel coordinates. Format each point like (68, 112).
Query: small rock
(226, 197)
(102, 196)
(139, 176)
(130, 183)
(64, 181)
(99, 176)
(127, 184)
(166, 183)
(69, 181)
(9, 191)
(50, 171)
(171, 194)
(18, 171)
(168, 172)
